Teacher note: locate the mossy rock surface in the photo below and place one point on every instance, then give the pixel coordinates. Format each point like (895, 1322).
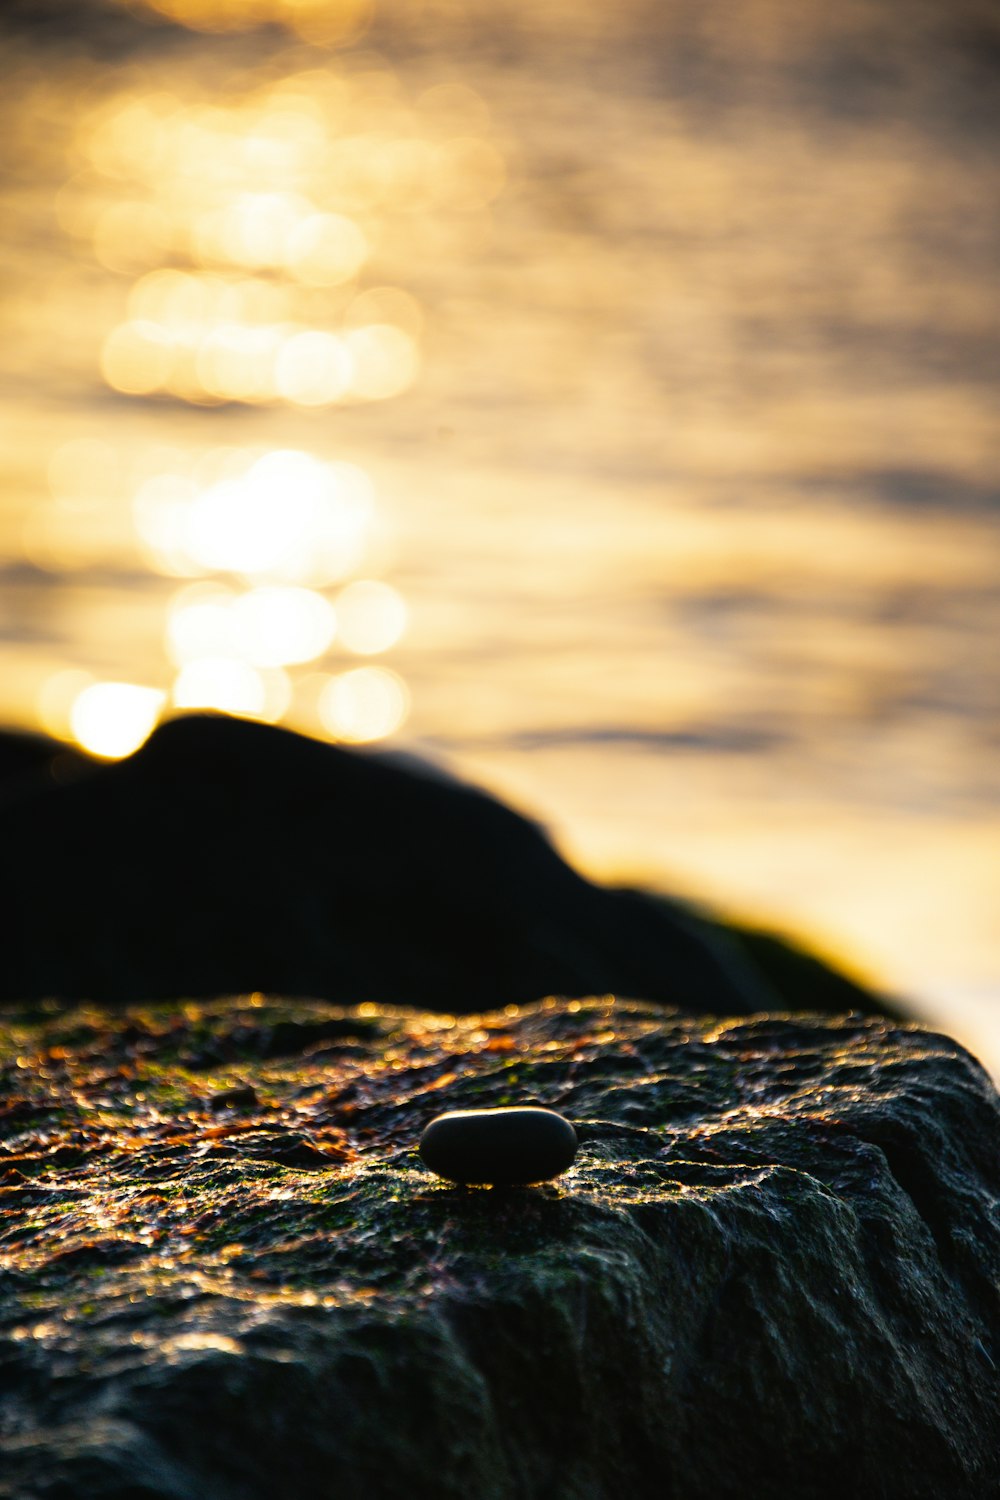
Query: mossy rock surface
(772, 1270)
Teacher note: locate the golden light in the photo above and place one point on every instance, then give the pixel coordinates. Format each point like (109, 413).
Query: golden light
(454, 108)
(128, 236)
(280, 517)
(236, 527)
(366, 704)
(174, 298)
(81, 521)
(474, 172)
(56, 697)
(265, 524)
(198, 338)
(257, 226)
(223, 683)
(127, 139)
(386, 362)
(160, 511)
(237, 363)
(276, 627)
(372, 617)
(326, 22)
(411, 169)
(83, 466)
(111, 719)
(314, 369)
(199, 623)
(136, 359)
(266, 627)
(325, 250)
(346, 522)
(386, 304)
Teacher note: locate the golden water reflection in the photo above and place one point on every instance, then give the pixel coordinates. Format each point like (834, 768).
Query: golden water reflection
(367, 703)
(237, 217)
(281, 516)
(323, 22)
(205, 350)
(248, 225)
(267, 627)
(639, 370)
(111, 719)
(271, 542)
(233, 686)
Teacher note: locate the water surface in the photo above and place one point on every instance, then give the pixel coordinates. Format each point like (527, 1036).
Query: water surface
(602, 404)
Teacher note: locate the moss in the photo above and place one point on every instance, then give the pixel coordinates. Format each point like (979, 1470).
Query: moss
(736, 1193)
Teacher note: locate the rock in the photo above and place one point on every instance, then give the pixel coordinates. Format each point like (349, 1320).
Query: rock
(244, 1097)
(227, 857)
(772, 1270)
(31, 762)
(499, 1146)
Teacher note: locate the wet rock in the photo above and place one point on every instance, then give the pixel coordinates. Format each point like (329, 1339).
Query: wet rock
(243, 1096)
(773, 1268)
(228, 857)
(504, 1147)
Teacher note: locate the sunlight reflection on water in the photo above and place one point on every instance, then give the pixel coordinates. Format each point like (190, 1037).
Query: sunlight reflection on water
(245, 223)
(607, 397)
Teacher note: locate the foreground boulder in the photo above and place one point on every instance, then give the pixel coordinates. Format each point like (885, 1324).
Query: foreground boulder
(772, 1269)
(227, 856)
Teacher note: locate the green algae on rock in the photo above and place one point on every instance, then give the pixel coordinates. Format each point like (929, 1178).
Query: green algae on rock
(773, 1267)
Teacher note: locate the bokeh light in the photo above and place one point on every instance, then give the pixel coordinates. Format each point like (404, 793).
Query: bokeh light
(224, 360)
(385, 361)
(280, 517)
(364, 704)
(325, 250)
(223, 683)
(278, 627)
(111, 719)
(372, 617)
(314, 369)
(232, 216)
(267, 627)
(200, 623)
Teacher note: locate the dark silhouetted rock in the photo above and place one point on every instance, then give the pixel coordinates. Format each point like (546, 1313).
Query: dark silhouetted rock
(226, 856)
(773, 1269)
(32, 762)
(502, 1146)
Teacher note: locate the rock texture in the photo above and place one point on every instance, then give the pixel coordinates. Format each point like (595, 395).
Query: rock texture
(773, 1269)
(227, 856)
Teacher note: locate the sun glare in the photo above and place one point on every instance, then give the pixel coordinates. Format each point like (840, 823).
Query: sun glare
(237, 226)
(222, 683)
(111, 719)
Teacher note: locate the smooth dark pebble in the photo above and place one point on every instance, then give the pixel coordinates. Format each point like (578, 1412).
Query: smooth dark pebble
(499, 1146)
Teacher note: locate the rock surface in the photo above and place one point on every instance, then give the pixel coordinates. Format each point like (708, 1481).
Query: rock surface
(227, 856)
(773, 1269)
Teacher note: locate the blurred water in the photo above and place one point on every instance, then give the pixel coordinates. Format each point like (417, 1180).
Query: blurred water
(602, 402)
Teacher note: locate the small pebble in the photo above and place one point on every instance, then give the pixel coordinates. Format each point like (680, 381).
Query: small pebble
(499, 1146)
